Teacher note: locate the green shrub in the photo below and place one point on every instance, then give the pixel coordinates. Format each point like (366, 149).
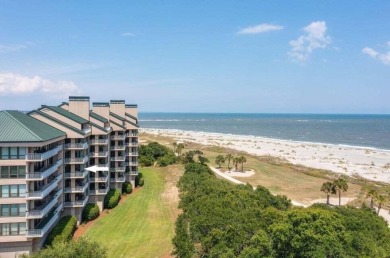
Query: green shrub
(63, 231)
(127, 188)
(90, 212)
(112, 199)
(141, 182)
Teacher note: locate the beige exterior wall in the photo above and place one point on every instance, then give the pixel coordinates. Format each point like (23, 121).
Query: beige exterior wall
(118, 108)
(79, 107)
(132, 111)
(62, 118)
(102, 111)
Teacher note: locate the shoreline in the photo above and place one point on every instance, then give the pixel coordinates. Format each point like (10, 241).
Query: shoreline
(367, 162)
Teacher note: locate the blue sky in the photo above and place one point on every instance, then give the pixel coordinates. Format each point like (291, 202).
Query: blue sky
(198, 56)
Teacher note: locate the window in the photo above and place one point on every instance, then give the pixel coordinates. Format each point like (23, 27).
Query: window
(21, 172)
(14, 229)
(13, 153)
(13, 172)
(4, 172)
(4, 153)
(22, 153)
(5, 210)
(12, 191)
(13, 210)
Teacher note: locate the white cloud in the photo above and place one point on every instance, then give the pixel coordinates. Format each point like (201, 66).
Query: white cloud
(11, 48)
(383, 57)
(127, 34)
(15, 84)
(315, 37)
(261, 28)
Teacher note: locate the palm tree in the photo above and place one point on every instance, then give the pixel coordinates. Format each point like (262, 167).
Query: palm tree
(340, 185)
(381, 199)
(242, 161)
(219, 160)
(328, 188)
(179, 148)
(228, 157)
(236, 160)
(174, 146)
(373, 195)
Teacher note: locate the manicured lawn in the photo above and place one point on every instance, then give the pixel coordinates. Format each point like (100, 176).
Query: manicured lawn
(143, 224)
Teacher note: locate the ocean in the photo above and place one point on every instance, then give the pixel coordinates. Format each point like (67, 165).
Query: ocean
(353, 130)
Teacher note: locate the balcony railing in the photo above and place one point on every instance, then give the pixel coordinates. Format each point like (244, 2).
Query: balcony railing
(99, 142)
(131, 144)
(99, 179)
(119, 158)
(118, 148)
(133, 172)
(87, 130)
(99, 191)
(77, 174)
(76, 189)
(45, 190)
(100, 154)
(102, 165)
(118, 169)
(76, 146)
(78, 203)
(44, 172)
(76, 160)
(40, 212)
(41, 230)
(43, 156)
(130, 163)
(118, 137)
(134, 153)
(118, 179)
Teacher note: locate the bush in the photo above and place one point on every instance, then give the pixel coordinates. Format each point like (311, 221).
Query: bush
(63, 231)
(112, 199)
(90, 212)
(141, 182)
(127, 188)
(155, 152)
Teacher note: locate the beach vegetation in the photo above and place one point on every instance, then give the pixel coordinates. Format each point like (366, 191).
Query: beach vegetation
(229, 157)
(63, 231)
(179, 149)
(155, 153)
(242, 160)
(220, 159)
(381, 200)
(372, 194)
(328, 188)
(340, 185)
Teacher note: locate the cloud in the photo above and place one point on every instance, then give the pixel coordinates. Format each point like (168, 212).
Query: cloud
(261, 28)
(127, 34)
(314, 37)
(383, 57)
(11, 48)
(15, 84)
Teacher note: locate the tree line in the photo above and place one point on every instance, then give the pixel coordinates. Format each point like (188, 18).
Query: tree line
(236, 160)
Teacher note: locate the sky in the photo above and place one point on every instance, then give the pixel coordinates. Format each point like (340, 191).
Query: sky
(198, 56)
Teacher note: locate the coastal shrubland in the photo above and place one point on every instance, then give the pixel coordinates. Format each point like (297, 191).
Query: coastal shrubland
(220, 219)
(155, 153)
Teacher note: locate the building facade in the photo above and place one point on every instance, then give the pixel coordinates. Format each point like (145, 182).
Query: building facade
(56, 159)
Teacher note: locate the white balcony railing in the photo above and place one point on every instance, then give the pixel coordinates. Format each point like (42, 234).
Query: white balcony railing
(99, 142)
(42, 211)
(79, 203)
(44, 191)
(118, 137)
(43, 156)
(76, 146)
(77, 174)
(101, 154)
(118, 179)
(44, 172)
(134, 153)
(118, 158)
(99, 191)
(131, 144)
(76, 160)
(133, 172)
(76, 189)
(87, 130)
(118, 169)
(130, 163)
(99, 179)
(118, 148)
(42, 231)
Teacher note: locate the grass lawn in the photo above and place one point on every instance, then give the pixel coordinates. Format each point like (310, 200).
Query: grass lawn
(143, 224)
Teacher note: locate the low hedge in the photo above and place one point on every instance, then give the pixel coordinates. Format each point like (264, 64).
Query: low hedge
(90, 212)
(112, 198)
(141, 182)
(127, 188)
(138, 180)
(63, 231)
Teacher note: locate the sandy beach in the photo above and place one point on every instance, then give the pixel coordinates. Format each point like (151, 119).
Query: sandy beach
(369, 163)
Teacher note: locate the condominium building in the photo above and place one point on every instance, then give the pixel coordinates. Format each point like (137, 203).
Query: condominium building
(56, 159)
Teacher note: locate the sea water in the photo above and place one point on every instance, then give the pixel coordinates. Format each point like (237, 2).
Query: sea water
(354, 130)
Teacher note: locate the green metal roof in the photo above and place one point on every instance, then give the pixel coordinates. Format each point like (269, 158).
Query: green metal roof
(66, 113)
(131, 116)
(16, 126)
(58, 121)
(121, 126)
(99, 127)
(98, 117)
(117, 116)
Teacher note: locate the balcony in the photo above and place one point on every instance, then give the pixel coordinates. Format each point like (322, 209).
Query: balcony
(76, 189)
(45, 190)
(76, 160)
(133, 173)
(102, 165)
(100, 154)
(87, 130)
(101, 179)
(118, 137)
(43, 156)
(44, 172)
(119, 158)
(118, 179)
(134, 153)
(99, 191)
(40, 212)
(99, 142)
(118, 169)
(118, 148)
(130, 163)
(77, 174)
(132, 144)
(76, 146)
(45, 225)
(78, 203)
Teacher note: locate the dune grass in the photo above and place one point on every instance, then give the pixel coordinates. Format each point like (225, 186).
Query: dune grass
(143, 224)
